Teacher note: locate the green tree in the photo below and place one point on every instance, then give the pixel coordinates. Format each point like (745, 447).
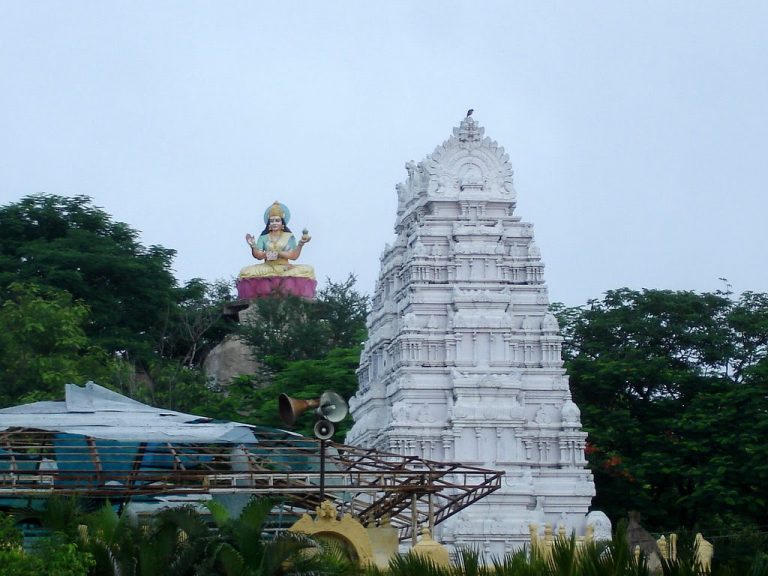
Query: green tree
(307, 347)
(99, 306)
(244, 549)
(74, 246)
(52, 558)
(55, 556)
(301, 379)
(10, 535)
(170, 384)
(172, 542)
(672, 388)
(345, 311)
(43, 344)
(284, 328)
(196, 323)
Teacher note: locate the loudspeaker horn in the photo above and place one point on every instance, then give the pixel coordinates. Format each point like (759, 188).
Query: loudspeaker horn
(292, 408)
(332, 407)
(324, 429)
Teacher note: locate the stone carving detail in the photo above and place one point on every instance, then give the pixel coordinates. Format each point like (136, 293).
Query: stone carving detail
(470, 175)
(549, 325)
(399, 412)
(543, 416)
(424, 415)
(570, 412)
(469, 131)
(601, 525)
(463, 359)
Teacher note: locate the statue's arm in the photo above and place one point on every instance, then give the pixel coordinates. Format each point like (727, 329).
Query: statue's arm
(294, 248)
(256, 251)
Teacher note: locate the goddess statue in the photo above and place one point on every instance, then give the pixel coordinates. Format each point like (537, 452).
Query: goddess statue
(276, 245)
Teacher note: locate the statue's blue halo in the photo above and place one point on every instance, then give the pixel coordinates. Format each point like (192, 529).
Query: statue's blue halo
(286, 212)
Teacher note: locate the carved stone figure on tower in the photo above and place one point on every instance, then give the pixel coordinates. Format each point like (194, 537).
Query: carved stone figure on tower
(276, 246)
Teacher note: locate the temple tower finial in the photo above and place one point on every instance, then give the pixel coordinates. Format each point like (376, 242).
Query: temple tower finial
(469, 130)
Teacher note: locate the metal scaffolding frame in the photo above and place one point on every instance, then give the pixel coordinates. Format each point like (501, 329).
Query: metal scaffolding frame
(371, 485)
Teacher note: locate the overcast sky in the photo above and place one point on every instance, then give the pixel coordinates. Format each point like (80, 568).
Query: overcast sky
(637, 130)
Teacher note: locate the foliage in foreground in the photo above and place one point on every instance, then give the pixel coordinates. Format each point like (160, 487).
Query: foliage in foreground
(182, 542)
(53, 556)
(242, 549)
(172, 542)
(567, 558)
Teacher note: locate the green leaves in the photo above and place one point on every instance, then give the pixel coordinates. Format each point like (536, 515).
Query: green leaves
(43, 344)
(672, 388)
(302, 379)
(69, 244)
(309, 346)
(284, 328)
(244, 549)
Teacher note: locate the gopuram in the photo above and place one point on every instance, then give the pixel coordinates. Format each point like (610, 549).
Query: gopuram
(463, 361)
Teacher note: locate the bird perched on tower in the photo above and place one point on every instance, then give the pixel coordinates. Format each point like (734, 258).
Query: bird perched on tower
(469, 112)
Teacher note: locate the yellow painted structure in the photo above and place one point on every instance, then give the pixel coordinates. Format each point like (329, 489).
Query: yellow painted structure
(428, 547)
(384, 542)
(347, 532)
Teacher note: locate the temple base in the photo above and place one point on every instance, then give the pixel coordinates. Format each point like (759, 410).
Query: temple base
(249, 288)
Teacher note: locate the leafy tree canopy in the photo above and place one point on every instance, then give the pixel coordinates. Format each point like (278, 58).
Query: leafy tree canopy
(673, 388)
(43, 344)
(195, 323)
(284, 328)
(308, 346)
(300, 379)
(72, 245)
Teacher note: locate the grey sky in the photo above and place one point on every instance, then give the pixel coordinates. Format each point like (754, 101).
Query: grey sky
(637, 130)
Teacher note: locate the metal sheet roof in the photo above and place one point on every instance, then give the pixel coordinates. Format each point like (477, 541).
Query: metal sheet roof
(95, 411)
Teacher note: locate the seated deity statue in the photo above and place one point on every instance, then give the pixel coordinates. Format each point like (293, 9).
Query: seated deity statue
(276, 246)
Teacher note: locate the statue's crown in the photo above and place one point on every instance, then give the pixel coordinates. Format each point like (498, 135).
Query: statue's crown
(276, 210)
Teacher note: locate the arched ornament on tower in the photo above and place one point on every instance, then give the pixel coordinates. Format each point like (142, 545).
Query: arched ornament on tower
(468, 166)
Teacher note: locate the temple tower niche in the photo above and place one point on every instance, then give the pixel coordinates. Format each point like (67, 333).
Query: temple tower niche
(463, 361)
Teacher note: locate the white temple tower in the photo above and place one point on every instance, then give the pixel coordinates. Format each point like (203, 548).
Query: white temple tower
(463, 361)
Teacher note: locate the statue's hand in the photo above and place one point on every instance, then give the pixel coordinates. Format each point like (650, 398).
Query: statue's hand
(305, 237)
(250, 239)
